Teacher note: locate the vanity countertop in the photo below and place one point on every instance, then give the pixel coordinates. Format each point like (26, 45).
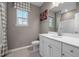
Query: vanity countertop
(66, 39)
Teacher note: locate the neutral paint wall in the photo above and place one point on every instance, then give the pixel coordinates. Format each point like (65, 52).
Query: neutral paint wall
(44, 24)
(19, 36)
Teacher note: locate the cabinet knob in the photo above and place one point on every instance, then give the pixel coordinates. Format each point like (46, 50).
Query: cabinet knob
(71, 51)
(62, 54)
(49, 46)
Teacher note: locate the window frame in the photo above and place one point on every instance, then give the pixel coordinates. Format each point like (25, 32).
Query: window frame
(49, 21)
(18, 24)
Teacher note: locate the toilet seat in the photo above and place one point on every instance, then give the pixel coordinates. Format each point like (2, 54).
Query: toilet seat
(35, 45)
(35, 42)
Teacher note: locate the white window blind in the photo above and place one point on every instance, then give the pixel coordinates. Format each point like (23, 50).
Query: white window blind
(22, 11)
(22, 17)
(22, 5)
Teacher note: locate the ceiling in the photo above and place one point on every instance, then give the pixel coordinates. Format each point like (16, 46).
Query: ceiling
(38, 4)
(66, 6)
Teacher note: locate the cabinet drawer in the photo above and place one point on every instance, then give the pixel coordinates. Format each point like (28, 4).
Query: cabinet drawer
(74, 51)
(55, 43)
(66, 54)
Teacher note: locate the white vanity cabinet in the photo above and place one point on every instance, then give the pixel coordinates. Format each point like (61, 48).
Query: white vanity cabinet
(41, 46)
(69, 50)
(59, 46)
(49, 47)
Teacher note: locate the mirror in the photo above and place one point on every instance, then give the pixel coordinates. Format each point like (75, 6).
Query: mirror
(51, 21)
(66, 14)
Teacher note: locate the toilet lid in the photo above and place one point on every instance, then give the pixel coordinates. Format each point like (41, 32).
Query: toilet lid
(35, 42)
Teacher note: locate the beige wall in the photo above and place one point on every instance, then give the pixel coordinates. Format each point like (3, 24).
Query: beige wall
(19, 36)
(44, 24)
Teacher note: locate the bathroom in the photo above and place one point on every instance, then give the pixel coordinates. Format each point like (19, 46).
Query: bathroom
(29, 29)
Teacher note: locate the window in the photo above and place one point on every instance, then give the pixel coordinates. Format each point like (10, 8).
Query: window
(22, 17)
(50, 19)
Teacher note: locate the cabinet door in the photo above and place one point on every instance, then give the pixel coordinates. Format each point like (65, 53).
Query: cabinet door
(73, 51)
(76, 52)
(66, 49)
(41, 47)
(49, 47)
(46, 49)
(55, 52)
(65, 54)
(55, 48)
(51, 50)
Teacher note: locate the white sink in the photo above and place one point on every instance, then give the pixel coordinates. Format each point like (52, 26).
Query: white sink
(54, 34)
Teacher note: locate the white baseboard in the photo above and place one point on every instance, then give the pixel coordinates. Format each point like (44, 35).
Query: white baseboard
(16, 49)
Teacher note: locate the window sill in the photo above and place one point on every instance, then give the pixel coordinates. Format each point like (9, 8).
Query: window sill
(20, 25)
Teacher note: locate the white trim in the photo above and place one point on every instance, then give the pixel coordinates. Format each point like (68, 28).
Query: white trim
(19, 25)
(16, 49)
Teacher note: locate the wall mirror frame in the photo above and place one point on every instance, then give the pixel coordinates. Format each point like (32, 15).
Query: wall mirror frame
(68, 18)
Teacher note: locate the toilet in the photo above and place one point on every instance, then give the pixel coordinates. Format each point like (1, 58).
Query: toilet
(35, 45)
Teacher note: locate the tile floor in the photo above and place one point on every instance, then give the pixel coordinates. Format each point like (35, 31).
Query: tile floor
(28, 52)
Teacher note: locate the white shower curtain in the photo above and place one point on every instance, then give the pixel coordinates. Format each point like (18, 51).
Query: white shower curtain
(3, 21)
(3, 27)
